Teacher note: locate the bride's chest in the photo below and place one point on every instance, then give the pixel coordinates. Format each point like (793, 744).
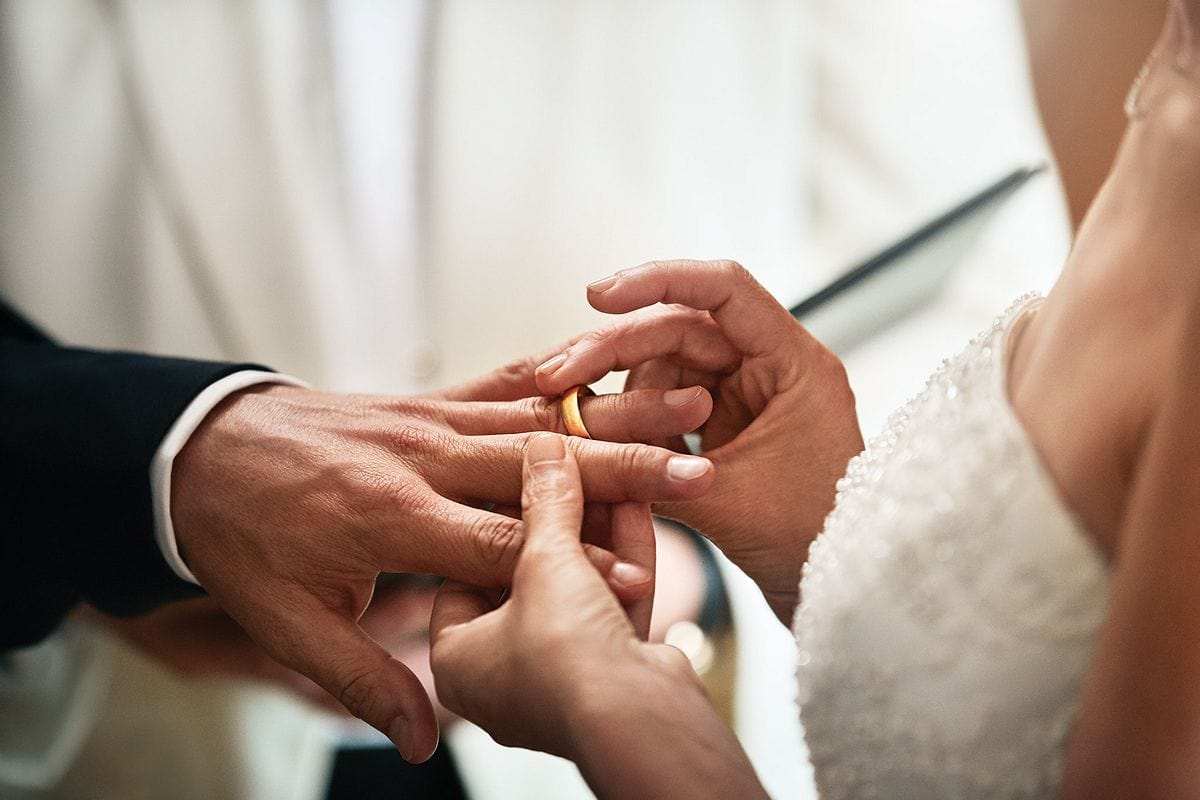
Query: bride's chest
(948, 609)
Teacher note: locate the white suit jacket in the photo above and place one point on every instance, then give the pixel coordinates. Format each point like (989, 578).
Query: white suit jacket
(397, 196)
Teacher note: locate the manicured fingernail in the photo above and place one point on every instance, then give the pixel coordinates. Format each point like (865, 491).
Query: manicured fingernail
(545, 447)
(626, 574)
(680, 397)
(602, 285)
(400, 732)
(686, 468)
(552, 364)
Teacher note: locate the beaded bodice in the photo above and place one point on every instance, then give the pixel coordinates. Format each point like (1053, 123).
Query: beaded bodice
(949, 609)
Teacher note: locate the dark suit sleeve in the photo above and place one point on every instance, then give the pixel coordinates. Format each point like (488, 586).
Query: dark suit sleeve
(78, 429)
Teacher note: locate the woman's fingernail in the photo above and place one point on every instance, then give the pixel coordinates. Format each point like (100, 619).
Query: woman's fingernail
(400, 732)
(552, 364)
(545, 447)
(686, 468)
(627, 574)
(680, 397)
(602, 285)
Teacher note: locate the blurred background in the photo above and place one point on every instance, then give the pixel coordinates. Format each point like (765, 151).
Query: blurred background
(397, 196)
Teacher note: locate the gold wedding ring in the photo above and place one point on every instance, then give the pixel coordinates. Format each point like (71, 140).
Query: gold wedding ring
(570, 412)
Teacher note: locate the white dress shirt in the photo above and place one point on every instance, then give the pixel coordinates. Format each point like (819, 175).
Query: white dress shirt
(172, 444)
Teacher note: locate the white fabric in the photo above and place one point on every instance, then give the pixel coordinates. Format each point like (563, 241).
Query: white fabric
(132, 728)
(247, 188)
(285, 136)
(919, 103)
(764, 719)
(173, 442)
(563, 139)
(50, 697)
(574, 138)
(949, 609)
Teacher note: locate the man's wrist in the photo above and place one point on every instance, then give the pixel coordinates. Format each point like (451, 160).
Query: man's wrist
(177, 437)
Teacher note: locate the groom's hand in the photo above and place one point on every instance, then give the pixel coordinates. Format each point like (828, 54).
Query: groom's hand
(287, 503)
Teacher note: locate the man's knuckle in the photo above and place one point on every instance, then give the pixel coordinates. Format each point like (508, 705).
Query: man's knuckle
(416, 440)
(391, 496)
(497, 540)
(544, 411)
(361, 493)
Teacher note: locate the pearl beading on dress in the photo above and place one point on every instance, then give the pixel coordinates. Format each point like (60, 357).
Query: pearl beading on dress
(949, 608)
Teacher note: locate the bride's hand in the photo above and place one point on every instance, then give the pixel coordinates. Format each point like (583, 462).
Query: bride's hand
(783, 425)
(558, 666)
(515, 668)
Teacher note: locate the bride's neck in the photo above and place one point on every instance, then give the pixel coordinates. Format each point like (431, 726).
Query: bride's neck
(1151, 197)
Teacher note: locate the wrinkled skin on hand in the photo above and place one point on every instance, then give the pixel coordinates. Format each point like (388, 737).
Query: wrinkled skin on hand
(287, 503)
(195, 639)
(783, 425)
(558, 666)
(520, 667)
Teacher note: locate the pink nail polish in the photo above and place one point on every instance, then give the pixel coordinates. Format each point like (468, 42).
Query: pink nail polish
(545, 447)
(602, 285)
(679, 397)
(627, 574)
(551, 364)
(687, 468)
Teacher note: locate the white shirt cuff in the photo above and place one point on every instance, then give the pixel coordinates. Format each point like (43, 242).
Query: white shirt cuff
(173, 442)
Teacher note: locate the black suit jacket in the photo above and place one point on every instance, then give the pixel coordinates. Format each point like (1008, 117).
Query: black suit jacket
(78, 429)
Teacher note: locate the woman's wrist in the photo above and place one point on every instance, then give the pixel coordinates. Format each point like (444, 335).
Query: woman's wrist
(626, 686)
(656, 699)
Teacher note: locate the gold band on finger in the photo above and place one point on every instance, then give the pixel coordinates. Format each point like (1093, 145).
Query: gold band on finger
(570, 412)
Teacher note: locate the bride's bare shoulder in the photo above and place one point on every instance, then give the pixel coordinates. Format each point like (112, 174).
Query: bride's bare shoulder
(1100, 356)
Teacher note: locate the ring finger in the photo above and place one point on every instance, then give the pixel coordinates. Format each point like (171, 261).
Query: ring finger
(636, 416)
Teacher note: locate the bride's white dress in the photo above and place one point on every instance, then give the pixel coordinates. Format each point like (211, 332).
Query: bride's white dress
(949, 610)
